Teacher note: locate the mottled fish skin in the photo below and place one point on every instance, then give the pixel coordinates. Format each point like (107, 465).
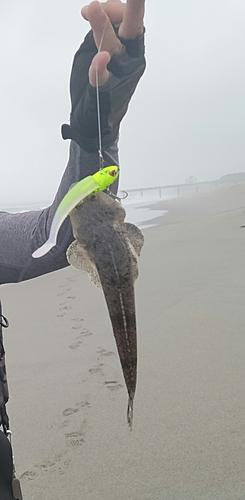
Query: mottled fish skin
(98, 225)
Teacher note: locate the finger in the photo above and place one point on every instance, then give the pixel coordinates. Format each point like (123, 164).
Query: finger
(113, 8)
(132, 24)
(104, 34)
(99, 65)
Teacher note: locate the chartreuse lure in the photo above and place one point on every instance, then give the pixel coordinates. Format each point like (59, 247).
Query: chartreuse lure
(91, 184)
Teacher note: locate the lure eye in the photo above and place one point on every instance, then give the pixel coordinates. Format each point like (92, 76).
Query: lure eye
(113, 173)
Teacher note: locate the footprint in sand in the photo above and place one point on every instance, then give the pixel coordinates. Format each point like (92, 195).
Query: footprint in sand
(65, 287)
(104, 352)
(71, 280)
(74, 438)
(47, 466)
(64, 308)
(69, 411)
(96, 369)
(84, 404)
(84, 332)
(75, 345)
(29, 475)
(57, 465)
(78, 407)
(113, 385)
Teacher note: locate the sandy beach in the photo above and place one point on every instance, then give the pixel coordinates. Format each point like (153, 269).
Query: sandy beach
(68, 397)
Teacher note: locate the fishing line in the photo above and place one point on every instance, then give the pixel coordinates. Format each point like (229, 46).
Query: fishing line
(101, 159)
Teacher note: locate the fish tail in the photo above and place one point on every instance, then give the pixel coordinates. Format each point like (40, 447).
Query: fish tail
(130, 412)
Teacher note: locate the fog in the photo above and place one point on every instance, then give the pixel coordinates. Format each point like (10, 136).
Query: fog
(186, 118)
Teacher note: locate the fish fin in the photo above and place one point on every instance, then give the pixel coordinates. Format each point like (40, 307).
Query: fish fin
(134, 236)
(78, 257)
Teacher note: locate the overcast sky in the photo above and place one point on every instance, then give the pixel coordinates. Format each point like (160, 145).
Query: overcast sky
(187, 117)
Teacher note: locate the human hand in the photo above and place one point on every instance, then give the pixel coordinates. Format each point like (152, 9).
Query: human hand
(102, 17)
(117, 34)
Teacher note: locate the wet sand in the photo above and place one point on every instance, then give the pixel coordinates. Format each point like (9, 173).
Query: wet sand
(68, 397)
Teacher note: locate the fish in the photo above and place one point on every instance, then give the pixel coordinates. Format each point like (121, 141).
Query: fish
(106, 247)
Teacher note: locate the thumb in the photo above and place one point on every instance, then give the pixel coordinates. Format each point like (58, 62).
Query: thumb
(99, 65)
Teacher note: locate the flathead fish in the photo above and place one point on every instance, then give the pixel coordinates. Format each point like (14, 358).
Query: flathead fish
(105, 247)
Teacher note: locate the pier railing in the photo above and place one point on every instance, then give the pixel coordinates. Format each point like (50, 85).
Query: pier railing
(159, 192)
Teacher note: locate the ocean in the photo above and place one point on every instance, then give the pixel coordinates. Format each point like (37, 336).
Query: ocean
(138, 210)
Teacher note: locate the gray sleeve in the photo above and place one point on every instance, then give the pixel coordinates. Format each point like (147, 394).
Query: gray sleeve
(125, 70)
(22, 233)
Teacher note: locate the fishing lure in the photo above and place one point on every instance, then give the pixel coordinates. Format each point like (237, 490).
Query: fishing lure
(91, 184)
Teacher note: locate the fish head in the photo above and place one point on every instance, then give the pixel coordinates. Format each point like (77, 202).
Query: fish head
(98, 207)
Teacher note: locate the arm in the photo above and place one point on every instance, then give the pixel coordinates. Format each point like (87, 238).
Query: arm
(120, 66)
(22, 233)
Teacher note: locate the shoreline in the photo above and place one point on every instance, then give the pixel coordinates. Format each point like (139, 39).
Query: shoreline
(223, 199)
